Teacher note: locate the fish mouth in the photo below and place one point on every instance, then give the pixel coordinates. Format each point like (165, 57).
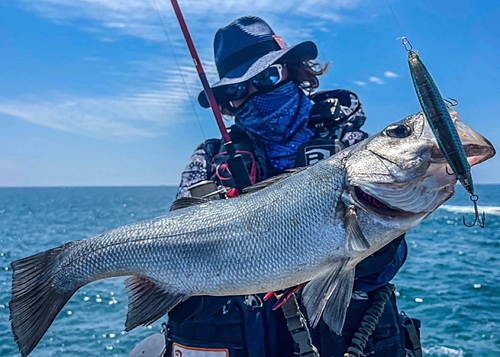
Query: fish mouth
(417, 197)
(477, 148)
(372, 204)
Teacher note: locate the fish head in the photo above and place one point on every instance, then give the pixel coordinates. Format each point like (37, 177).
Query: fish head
(400, 176)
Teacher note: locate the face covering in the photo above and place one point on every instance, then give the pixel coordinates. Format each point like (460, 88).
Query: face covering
(279, 120)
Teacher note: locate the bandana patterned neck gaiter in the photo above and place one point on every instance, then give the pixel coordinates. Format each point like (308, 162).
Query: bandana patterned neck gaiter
(278, 119)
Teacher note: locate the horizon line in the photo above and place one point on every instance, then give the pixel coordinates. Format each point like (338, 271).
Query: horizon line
(92, 186)
(149, 186)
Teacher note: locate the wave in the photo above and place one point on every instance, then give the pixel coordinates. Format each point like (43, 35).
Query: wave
(493, 210)
(439, 351)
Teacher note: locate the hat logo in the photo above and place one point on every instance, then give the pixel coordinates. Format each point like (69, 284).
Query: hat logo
(280, 42)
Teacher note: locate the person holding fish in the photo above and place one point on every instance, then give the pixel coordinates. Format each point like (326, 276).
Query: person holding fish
(279, 124)
(300, 264)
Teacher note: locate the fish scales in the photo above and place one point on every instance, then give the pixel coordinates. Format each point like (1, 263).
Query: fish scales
(232, 241)
(310, 226)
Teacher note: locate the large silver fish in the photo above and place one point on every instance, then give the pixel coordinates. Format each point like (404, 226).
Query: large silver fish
(314, 225)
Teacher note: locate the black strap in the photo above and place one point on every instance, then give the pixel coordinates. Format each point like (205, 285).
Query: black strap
(297, 326)
(412, 336)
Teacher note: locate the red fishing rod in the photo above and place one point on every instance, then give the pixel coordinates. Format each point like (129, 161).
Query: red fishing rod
(236, 164)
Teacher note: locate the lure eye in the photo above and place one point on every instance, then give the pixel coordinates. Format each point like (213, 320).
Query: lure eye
(398, 131)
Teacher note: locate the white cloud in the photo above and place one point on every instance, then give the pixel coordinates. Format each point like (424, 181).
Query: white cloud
(158, 96)
(93, 59)
(141, 18)
(95, 117)
(376, 80)
(390, 74)
(145, 112)
(360, 83)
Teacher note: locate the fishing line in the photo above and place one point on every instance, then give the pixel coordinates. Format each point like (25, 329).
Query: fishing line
(395, 19)
(179, 69)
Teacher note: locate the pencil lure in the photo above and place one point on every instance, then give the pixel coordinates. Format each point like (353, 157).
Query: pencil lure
(439, 119)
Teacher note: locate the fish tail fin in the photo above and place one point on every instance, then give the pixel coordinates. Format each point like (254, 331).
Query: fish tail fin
(36, 301)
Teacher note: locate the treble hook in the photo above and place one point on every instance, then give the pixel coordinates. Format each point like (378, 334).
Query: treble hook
(478, 220)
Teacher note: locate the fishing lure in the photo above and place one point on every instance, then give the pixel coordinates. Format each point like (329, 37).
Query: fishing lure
(438, 116)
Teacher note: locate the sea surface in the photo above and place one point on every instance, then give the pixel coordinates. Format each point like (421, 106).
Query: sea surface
(451, 280)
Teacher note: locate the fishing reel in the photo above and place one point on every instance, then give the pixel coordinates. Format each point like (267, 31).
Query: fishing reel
(208, 190)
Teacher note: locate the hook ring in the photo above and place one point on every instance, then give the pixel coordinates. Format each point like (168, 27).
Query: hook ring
(406, 43)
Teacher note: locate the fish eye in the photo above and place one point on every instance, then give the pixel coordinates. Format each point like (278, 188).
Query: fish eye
(398, 131)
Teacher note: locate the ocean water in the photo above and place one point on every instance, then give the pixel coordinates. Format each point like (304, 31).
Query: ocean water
(450, 280)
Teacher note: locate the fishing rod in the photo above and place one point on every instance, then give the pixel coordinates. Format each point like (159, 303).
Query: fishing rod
(235, 163)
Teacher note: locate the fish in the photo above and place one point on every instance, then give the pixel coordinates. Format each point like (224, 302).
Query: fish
(438, 115)
(310, 225)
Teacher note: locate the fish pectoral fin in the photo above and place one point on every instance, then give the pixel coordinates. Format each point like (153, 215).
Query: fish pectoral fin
(329, 296)
(355, 239)
(148, 301)
(184, 202)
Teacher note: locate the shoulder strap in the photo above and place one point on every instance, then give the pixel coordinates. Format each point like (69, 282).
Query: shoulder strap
(297, 325)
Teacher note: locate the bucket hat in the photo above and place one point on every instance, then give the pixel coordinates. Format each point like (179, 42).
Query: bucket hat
(248, 46)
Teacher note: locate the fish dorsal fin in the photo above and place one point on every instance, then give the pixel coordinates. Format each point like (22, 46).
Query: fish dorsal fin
(354, 238)
(272, 180)
(329, 294)
(147, 301)
(184, 202)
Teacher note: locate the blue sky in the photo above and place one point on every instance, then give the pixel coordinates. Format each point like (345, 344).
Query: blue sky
(91, 93)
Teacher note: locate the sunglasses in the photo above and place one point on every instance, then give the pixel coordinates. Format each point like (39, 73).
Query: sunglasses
(264, 81)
